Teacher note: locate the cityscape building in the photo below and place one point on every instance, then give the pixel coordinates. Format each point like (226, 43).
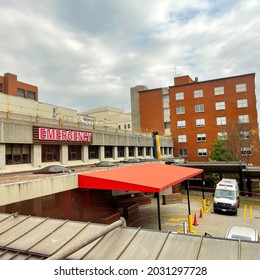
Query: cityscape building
(197, 113)
(35, 134)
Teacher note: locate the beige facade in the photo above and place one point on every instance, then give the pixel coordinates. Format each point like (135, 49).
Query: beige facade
(110, 117)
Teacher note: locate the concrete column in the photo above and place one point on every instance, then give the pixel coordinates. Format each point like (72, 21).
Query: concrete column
(135, 152)
(36, 155)
(64, 159)
(101, 153)
(115, 152)
(84, 151)
(2, 157)
(144, 152)
(126, 152)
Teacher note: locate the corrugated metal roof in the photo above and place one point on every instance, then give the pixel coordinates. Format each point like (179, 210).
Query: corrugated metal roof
(26, 237)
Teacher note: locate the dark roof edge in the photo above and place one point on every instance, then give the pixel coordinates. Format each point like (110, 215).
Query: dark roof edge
(219, 79)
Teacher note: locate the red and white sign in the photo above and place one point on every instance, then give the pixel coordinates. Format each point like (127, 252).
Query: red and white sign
(53, 134)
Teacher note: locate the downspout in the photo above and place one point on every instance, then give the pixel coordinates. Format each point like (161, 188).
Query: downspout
(63, 253)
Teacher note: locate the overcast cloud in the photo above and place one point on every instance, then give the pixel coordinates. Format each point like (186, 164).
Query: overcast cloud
(84, 54)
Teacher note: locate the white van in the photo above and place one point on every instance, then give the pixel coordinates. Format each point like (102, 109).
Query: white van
(226, 197)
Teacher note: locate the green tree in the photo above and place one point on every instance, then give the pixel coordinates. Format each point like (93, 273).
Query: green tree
(220, 152)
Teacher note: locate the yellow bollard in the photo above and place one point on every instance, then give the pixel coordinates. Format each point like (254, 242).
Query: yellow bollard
(190, 227)
(204, 205)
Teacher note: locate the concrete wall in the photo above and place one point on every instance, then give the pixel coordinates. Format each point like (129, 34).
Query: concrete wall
(15, 192)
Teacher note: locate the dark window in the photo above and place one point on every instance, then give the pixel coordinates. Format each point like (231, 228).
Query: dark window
(1, 87)
(21, 92)
(108, 151)
(121, 151)
(93, 152)
(140, 151)
(183, 152)
(31, 95)
(18, 153)
(148, 151)
(74, 152)
(50, 153)
(131, 151)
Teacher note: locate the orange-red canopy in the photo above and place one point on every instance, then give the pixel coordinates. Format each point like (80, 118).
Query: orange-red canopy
(152, 177)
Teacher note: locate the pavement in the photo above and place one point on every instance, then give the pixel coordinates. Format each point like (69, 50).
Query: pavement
(173, 216)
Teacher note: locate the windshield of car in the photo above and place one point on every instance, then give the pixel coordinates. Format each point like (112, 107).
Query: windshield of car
(240, 237)
(229, 194)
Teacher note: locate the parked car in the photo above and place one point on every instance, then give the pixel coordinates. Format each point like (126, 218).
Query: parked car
(53, 169)
(242, 233)
(106, 164)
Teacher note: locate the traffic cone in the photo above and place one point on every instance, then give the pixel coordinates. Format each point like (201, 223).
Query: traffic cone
(195, 222)
(201, 213)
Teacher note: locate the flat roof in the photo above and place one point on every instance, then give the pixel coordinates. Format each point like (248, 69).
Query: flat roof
(27, 238)
(151, 177)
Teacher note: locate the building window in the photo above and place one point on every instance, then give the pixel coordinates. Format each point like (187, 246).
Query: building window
(198, 93)
(242, 103)
(179, 95)
(181, 124)
(166, 101)
(93, 152)
(183, 152)
(221, 121)
(202, 152)
(246, 151)
(21, 92)
(220, 105)
(148, 151)
(245, 135)
(140, 151)
(201, 137)
(121, 151)
(199, 108)
(200, 122)
(50, 153)
(180, 110)
(74, 152)
(119, 126)
(108, 151)
(18, 153)
(166, 114)
(129, 126)
(31, 95)
(131, 151)
(219, 90)
(1, 87)
(241, 88)
(243, 119)
(222, 136)
(182, 138)
(167, 125)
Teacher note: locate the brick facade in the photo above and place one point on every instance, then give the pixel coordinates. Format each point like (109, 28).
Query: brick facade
(200, 111)
(10, 85)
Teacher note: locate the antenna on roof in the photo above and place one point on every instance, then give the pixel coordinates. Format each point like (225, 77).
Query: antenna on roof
(176, 72)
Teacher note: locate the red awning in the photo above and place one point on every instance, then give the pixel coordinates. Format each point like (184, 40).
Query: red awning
(153, 177)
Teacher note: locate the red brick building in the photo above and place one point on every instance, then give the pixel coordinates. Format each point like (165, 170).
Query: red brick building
(197, 113)
(10, 85)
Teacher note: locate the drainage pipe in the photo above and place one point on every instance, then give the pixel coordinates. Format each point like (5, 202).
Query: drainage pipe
(63, 253)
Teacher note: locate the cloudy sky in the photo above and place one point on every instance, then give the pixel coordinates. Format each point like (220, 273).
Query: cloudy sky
(84, 54)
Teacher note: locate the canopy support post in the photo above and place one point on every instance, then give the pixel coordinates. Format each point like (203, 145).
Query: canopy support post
(158, 210)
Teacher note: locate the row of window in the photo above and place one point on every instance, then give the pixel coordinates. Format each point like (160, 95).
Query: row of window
(22, 93)
(202, 122)
(201, 137)
(203, 152)
(21, 153)
(217, 91)
(199, 108)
